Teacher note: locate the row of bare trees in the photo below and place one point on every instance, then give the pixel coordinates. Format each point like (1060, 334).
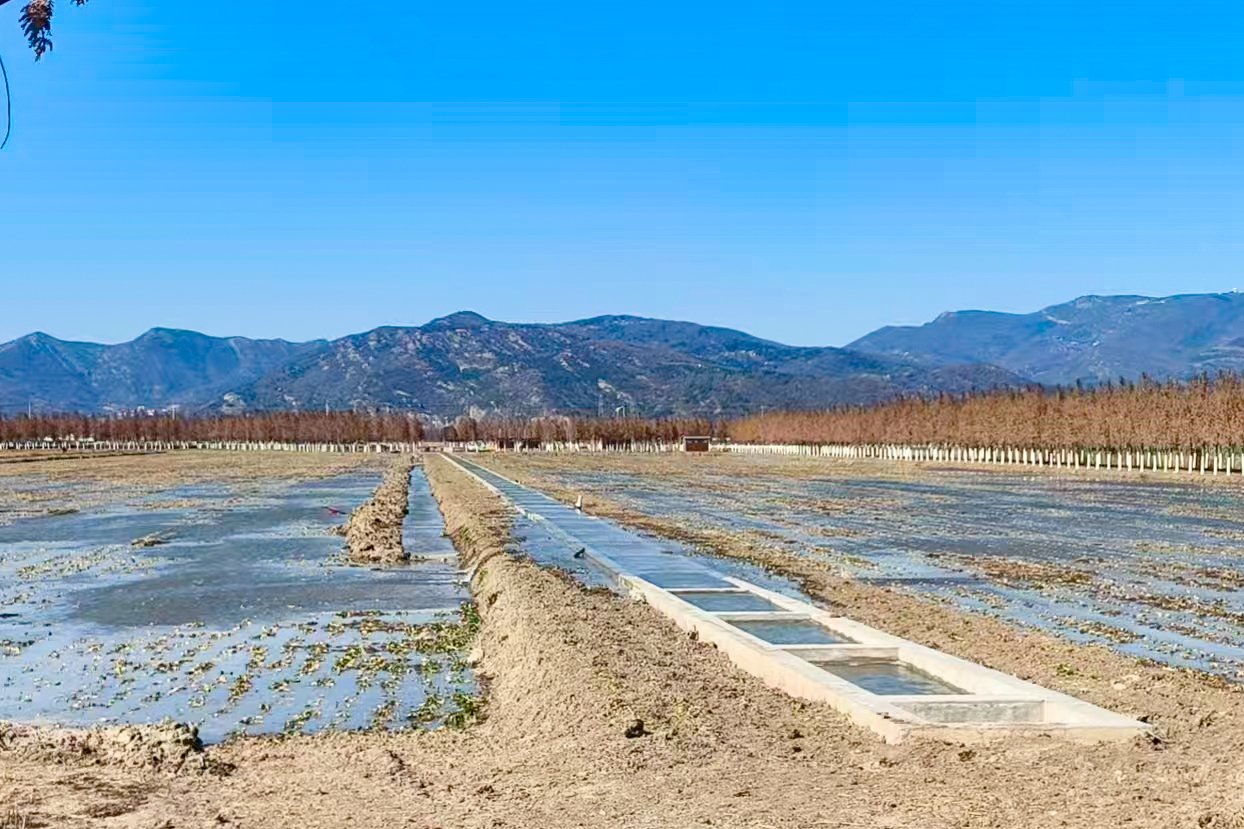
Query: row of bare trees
(299, 427)
(1204, 412)
(350, 427)
(560, 429)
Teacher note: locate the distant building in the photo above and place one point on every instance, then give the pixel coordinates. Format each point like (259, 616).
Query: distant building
(696, 444)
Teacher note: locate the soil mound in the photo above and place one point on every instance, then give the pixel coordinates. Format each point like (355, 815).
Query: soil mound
(374, 531)
(169, 746)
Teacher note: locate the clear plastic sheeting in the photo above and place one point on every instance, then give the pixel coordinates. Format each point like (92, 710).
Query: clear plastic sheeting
(559, 530)
(423, 530)
(719, 601)
(243, 618)
(794, 632)
(534, 540)
(1151, 568)
(888, 678)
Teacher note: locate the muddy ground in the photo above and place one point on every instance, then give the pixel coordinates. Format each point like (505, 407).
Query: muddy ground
(570, 672)
(32, 485)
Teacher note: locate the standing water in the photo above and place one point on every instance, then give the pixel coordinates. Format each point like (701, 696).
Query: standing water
(241, 618)
(1152, 568)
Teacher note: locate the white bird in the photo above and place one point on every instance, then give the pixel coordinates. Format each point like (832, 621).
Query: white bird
(578, 504)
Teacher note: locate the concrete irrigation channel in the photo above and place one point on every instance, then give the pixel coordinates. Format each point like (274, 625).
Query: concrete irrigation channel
(895, 687)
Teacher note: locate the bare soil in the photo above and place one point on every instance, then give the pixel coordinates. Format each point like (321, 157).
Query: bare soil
(572, 672)
(374, 531)
(167, 747)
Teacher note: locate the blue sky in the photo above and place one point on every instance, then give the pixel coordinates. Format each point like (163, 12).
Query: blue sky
(803, 171)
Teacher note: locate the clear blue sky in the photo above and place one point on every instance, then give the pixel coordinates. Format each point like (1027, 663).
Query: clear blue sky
(803, 171)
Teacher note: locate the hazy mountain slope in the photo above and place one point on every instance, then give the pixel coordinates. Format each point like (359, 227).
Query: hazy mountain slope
(650, 367)
(1091, 338)
(465, 362)
(160, 368)
(39, 371)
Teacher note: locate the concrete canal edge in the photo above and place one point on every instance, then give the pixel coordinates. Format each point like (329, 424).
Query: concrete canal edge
(573, 669)
(985, 703)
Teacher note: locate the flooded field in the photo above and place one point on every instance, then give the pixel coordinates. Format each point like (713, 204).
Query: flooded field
(229, 607)
(596, 714)
(661, 561)
(1152, 568)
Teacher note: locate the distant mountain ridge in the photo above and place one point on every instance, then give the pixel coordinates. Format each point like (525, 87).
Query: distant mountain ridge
(160, 368)
(1092, 338)
(467, 363)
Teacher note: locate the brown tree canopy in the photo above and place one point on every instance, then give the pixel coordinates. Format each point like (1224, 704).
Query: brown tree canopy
(1202, 412)
(1205, 412)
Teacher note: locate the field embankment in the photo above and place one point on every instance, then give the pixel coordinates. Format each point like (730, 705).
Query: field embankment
(374, 530)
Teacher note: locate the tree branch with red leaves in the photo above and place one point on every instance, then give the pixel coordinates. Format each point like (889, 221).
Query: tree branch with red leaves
(36, 23)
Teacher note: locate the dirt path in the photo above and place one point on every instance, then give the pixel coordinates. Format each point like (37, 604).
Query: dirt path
(572, 670)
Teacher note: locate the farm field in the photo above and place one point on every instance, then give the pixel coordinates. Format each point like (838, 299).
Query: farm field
(566, 669)
(1149, 565)
(223, 604)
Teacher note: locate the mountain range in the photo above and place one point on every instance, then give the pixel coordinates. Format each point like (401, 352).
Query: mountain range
(161, 368)
(1091, 339)
(467, 363)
